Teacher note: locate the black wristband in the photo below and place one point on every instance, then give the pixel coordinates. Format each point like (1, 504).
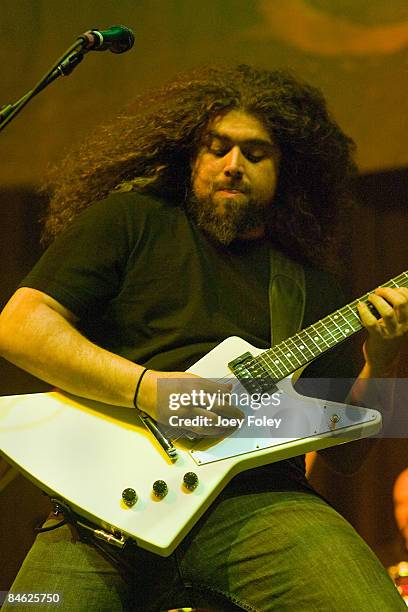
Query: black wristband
(138, 387)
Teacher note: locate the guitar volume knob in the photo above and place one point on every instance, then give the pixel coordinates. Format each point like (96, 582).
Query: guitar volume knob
(190, 481)
(129, 497)
(160, 489)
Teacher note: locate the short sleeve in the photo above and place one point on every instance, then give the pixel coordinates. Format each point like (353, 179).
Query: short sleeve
(85, 264)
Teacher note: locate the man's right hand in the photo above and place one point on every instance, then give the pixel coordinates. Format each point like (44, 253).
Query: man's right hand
(163, 395)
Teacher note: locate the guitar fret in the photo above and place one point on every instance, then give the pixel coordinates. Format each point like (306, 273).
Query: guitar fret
(303, 345)
(294, 349)
(336, 325)
(265, 360)
(313, 339)
(352, 311)
(347, 322)
(282, 356)
(291, 353)
(336, 328)
(322, 337)
(398, 281)
(403, 277)
(275, 363)
(313, 346)
(328, 329)
(401, 280)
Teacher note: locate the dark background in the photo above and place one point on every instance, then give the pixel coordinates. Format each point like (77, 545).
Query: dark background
(355, 50)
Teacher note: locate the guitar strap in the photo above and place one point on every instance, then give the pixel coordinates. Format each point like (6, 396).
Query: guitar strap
(287, 296)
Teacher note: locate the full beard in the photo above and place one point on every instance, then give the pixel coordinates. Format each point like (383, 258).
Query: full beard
(236, 219)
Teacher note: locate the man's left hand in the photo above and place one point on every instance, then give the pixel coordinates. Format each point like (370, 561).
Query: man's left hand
(387, 334)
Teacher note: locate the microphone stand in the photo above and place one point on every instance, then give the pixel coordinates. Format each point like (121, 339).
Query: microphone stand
(62, 67)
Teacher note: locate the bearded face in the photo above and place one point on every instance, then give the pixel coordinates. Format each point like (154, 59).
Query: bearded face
(234, 178)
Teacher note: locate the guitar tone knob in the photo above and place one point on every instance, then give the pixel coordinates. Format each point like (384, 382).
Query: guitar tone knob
(190, 481)
(160, 489)
(129, 497)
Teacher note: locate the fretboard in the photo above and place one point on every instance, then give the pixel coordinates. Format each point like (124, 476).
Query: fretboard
(302, 348)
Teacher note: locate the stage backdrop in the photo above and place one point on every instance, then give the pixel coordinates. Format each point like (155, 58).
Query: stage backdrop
(355, 50)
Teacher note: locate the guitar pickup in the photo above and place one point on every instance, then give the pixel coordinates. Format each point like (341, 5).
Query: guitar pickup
(251, 375)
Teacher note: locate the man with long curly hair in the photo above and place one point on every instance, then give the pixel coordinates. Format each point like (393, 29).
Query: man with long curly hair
(172, 215)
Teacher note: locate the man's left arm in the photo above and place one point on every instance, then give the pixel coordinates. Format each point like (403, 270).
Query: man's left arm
(382, 348)
(374, 386)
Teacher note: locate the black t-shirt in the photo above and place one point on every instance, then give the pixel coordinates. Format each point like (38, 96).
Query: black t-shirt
(148, 285)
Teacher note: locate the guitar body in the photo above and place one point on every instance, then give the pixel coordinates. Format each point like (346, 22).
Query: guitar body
(86, 453)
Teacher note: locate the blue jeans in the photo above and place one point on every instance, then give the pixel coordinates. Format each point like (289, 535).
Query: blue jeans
(253, 550)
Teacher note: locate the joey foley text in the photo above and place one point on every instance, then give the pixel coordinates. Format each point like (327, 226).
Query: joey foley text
(207, 401)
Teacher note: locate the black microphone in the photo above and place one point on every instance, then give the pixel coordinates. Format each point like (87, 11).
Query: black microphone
(117, 39)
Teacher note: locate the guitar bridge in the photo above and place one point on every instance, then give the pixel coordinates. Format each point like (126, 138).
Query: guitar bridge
(251, 374)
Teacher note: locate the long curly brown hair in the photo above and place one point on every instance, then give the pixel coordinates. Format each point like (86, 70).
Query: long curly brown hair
(149, 148)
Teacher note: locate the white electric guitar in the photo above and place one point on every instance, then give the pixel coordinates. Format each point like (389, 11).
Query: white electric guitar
(108, 467)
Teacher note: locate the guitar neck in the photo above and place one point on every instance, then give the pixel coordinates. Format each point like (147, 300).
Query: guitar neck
(305, 346)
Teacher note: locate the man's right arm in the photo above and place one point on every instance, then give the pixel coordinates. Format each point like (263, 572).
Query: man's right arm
(39, 335)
